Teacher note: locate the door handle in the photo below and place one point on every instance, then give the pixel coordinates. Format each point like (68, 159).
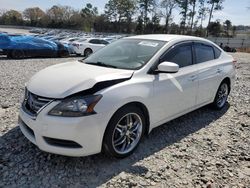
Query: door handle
(219, 71)
(193, 78)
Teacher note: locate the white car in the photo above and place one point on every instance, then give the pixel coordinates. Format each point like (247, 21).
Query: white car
(110, 100)
(88, 46)
(68, 42)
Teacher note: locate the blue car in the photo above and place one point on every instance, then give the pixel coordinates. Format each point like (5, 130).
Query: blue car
(21, 46)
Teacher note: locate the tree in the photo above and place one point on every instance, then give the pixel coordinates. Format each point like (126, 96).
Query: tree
(234, 30)
(89, 11)
(34, 15)
(183, 4)
(192, 12)
(146, 7)
(215, 5)
(168, 5)
(55, 13)
(2, 11)
(154, 25)
(68, 12)
(12, 17)
(228, 26)
(139, 27)
(202, 13)
(89, 14)
(214, 28)
(121, 11)
(62, 16)
(102, 23)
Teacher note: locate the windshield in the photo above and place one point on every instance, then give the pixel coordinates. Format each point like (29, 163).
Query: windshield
(125, 54)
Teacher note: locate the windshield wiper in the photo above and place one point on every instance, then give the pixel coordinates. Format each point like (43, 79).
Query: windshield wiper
(101, 64)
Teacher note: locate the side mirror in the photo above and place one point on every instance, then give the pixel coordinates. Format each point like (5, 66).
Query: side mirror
(168, 67)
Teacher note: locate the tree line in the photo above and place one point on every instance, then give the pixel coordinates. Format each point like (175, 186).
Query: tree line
(127, 16)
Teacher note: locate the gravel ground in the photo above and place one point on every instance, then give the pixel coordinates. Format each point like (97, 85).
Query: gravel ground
(204, 148)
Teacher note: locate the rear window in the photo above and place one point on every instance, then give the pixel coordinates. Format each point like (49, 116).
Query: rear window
(104, 42)
(217, 53)
(204, 53)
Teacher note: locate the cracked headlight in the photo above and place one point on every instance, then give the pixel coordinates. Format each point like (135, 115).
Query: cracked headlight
(76, 106)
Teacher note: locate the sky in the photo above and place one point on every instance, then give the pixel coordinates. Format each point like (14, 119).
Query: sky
(234, 10)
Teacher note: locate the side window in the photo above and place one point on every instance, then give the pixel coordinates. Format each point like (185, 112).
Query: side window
(94, 41)
(181, 55)
(203, 53)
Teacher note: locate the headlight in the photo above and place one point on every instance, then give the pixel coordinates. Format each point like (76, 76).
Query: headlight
(76, 107)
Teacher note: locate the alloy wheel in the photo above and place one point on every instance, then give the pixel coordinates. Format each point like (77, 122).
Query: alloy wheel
(222, 95)
(127, 133)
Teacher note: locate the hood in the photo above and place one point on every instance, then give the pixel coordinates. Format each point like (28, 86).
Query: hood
(65, 79)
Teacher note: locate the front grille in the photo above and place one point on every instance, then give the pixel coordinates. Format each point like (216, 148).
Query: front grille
(33, 103)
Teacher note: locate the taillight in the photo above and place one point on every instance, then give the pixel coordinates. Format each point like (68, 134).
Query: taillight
(235, 62)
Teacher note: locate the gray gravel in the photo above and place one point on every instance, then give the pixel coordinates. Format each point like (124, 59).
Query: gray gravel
(204, 148)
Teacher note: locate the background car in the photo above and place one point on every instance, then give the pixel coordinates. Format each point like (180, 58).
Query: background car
(22, 46)
(88, 46)
(68, 42)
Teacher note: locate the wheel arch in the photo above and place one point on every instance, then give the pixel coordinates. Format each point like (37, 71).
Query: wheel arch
(139, 105)
(87, 48)
(145, 111)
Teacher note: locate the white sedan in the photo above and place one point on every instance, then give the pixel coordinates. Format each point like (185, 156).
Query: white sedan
(88, 46)
(110, 100)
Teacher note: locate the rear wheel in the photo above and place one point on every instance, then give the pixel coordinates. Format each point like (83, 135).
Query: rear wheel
(17, 54)
(124, 132)
(87, 52)
(63, 53)
(9, 54)
(221, 96)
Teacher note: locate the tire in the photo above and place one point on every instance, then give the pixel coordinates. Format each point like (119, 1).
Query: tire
(9, 55)
(63, 54)
(121, 137)
(17, 54)
(87, 52)
(220, 99)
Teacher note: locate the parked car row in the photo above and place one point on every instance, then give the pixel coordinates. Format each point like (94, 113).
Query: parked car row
(53, 43)
(79, 43)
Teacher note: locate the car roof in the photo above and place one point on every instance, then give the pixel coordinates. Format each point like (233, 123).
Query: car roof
(166, 37)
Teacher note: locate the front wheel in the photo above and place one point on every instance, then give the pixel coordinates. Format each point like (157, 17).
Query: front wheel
(124, 132)
(221, 96)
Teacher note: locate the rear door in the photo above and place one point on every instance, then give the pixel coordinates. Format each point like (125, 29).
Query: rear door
(176, 93)
(206, 58)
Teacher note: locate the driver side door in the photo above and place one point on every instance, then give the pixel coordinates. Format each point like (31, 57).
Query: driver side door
(176, 93)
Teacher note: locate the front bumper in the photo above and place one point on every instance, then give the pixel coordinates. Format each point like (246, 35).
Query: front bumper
(68, 136)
